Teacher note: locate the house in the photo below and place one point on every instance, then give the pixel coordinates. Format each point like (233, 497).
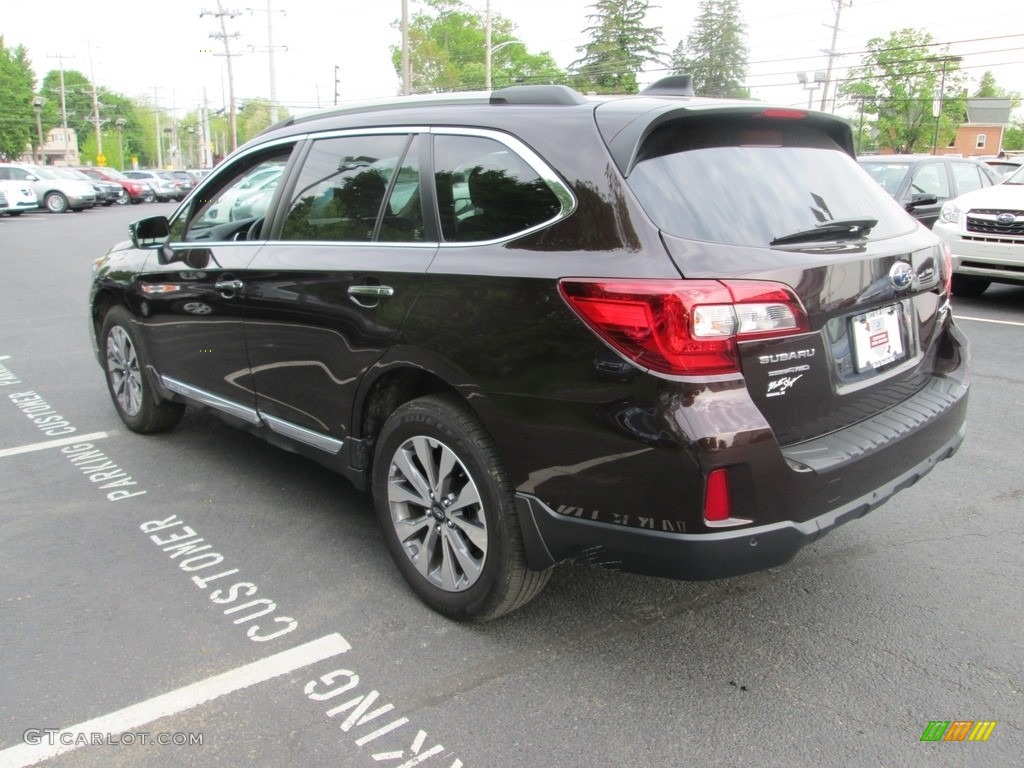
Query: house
(982, 133)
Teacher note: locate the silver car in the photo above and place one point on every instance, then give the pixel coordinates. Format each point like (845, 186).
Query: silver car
(163, 186)
(56, 192)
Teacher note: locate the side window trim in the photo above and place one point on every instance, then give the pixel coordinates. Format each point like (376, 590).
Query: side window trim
(554, 182)
(188, 207)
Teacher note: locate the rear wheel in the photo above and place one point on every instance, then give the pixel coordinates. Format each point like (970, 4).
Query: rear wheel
(969, 286)
(55, 202)
(129, 388)
(447, 509)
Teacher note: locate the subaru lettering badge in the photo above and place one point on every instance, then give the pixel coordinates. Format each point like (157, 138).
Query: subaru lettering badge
(1005, 219)
(901, 275)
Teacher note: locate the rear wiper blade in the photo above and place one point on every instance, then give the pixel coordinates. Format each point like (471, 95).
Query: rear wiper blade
(840, 229)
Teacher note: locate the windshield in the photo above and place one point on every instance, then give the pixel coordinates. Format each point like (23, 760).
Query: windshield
(114, 174)
(70, 173)
(1017, 177)
(45, 173)
(747, 183)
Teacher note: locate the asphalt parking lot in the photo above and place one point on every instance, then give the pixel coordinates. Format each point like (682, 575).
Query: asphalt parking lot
(286, 637)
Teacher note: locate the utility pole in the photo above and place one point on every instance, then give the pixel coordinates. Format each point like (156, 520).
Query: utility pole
(832, 53)
(63, 101)
(270, 55)
(207, 159)
(220, 13)
(336, 68)
(487, 48)
(406, 67)
(95, 119)
(159, 134)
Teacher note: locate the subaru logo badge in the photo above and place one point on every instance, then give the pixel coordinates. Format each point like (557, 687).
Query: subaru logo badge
(1005, 219)
(901, 275)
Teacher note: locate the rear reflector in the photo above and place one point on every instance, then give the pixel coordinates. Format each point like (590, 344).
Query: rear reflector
(684, 327)
(716, 498)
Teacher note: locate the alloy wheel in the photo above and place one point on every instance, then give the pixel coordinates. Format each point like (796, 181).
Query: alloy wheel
(123, 369)
(437, 513)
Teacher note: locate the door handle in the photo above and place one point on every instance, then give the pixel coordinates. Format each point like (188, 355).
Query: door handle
(226, 286)
(371, 290)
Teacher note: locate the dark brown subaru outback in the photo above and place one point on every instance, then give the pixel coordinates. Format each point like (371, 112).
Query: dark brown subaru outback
(663, 334)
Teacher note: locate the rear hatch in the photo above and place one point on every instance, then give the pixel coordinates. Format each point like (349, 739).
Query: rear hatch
(774, 195)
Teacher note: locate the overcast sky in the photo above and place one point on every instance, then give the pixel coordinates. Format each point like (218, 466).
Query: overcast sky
(130, 46)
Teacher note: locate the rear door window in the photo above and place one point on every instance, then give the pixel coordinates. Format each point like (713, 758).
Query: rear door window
(968, 177)
(486, 191)
(748, 182)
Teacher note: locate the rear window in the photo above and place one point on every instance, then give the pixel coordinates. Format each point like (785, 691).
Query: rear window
(749, 183)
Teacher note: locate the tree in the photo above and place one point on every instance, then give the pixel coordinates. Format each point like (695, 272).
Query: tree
(620, 45)
(447, 51)
(715, 52)
(17, 117)
(896, 86)
(77, 101)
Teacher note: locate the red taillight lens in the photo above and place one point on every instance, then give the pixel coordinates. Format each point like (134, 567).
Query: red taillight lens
(947, 270)
(684, 327)
(716, 497)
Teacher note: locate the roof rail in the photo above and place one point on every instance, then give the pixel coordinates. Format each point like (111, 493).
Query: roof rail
(538, 94)
(673, 85)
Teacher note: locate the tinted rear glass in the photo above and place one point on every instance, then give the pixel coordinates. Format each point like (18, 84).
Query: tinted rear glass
(747, 183)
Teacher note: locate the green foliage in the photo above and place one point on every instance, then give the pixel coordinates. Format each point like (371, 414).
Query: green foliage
(620, 45)
(895, 89)
(447, 51)
(17, 116)
(715, 52)
(1013, 136)
(989, 89)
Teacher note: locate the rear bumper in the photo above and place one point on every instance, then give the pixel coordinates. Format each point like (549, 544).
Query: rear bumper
(551, 538)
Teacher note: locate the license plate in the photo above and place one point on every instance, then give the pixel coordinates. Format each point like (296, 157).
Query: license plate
(878, 337)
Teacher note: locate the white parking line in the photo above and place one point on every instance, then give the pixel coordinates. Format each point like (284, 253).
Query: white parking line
(51, 444)
(987, 320)
(178, 701)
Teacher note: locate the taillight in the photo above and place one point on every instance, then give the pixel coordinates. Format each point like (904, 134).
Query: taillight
(947, 270)
(684, 327)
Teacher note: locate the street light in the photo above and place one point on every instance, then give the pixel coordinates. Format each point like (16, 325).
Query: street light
(120, 124)
(811, 85)
(37, 105)
(487, 63)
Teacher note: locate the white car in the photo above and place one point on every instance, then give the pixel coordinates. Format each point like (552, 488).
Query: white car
(20, 197)
(985, 231)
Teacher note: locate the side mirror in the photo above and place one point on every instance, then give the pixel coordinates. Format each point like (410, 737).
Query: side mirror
(149, 233)
(921, 198)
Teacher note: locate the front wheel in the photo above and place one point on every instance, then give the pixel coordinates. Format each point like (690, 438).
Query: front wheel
(129, 388)
(123, 198)
(447, 509)
(55, 202)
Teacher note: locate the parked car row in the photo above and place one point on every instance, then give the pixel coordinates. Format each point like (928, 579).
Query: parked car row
(58, 189)
(977, 212)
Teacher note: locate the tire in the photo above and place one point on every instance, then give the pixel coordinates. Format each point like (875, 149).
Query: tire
(969, 286)
(14, 213)
(55, 202)
(123, 198)
(462, 553)
(126, 380)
